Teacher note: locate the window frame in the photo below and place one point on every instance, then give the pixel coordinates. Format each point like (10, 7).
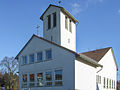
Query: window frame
(23, 78)
(30, 60)
(41, 83)
(66, 22)
(23, 60)
(54, 19)
(110, 83)
(40, 60)
(49, 21)
(60, 81)
(70, 25)
(104, 83)
(47, 56)
(48, 81)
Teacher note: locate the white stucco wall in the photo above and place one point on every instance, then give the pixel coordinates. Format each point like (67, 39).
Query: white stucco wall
(61, 59)
(109, 70)
(85, 76)
(66, 34)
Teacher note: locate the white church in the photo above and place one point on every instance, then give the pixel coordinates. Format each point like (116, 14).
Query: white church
(52, 63)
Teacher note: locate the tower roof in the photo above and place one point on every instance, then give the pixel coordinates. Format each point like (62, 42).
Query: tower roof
(63, 10)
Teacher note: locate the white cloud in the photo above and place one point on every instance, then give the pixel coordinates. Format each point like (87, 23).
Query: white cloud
(75, 8)
(82, 5)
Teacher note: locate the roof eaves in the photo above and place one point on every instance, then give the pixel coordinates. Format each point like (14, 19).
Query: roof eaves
(66, 12)
(89, 60)
(114, 59)
(46, 41)
(24, 47)
(63, 10)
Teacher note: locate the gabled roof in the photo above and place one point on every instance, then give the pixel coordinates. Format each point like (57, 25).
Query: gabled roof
(44, 40)
(99, 54)
(87, 59)
(62, 9)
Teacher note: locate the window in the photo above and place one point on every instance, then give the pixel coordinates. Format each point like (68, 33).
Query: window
(70, 26)
(104, 82)
(49, 21)
(114, 85)
(110, 83)
(40, 79)
(39, 56)
(66, 22)
(31, 58)
(107, 82)
(58, 77)
(32, 79)
(98, 79)
(48, 54)
(24, 60)
(25, 78)
(48, 79)
(54, 19)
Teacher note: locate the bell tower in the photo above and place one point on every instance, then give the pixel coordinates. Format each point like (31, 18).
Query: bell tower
(59, 26)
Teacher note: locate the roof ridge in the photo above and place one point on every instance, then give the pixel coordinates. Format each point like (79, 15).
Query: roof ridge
(98, 49)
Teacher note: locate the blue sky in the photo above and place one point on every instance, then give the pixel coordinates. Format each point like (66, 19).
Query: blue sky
(99, 23)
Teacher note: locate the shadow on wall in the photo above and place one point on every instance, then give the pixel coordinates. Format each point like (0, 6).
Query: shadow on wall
(97, 88)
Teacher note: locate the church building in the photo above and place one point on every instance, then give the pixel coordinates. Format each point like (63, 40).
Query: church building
(52, 63)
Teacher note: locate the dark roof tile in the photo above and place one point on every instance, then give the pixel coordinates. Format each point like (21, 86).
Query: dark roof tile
(97, 54)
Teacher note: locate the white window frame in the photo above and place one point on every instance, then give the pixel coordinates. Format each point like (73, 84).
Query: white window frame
(49, 81)
(58, 80)
(37, 56)
(23, 59)
(46, 57)
(29, 58)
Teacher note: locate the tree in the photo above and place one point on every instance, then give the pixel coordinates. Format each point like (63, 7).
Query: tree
(9, 66)
(118, 85)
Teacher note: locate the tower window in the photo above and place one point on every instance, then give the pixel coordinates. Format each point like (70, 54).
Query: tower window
(66, 22)
(70, 26)
(54, 19)
(49, 21)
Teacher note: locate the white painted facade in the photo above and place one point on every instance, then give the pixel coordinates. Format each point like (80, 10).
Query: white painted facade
(108, 71)
(85, 78)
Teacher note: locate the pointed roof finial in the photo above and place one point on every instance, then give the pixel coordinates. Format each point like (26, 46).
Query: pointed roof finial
(37, 28)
